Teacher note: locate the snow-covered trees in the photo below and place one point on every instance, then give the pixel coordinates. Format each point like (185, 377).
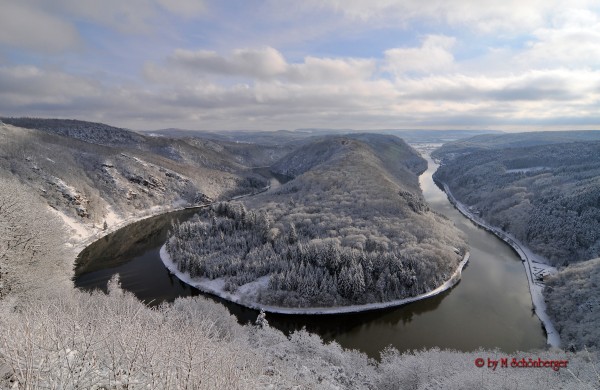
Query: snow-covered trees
(75, 340)
(547, 196)
(31, 239)
(573, 297)
(353, 228)
(228, 241)
(67, 339)
(83, 341)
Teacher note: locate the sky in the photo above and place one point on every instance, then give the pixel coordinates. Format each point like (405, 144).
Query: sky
(513, 65)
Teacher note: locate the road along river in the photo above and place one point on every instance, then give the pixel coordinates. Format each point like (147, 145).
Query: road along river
(490, 307)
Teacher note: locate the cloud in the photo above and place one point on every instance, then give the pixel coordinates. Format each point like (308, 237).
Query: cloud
(25, 26)
(433, 56)
(261, 63)
(321, 70)
(506, 16)
(28, 85)
(539, 65)
(573, 41)
(45, 26)
(569, 88)
(264, 64)
(196, 89)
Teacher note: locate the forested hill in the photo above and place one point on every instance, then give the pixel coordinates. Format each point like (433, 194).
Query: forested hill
(92, 132)
(394, 155)
(517, 140)
(221, 155)
(89, 183)
(547, 196)
(352, 227)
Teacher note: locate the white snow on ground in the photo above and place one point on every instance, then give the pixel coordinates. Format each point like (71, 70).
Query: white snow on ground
(139, 161)
(250, 290)
(111, 217)
(87, 234)
(535, 267)
(246, 295)
(64, 187)
(180, 203)
(525, 170)
(78, 230)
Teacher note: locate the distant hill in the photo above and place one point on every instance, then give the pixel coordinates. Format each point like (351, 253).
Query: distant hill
(436, 136)
(97, 133)
(394, 153)
(280, 137)
(512, 140)
(277, 137)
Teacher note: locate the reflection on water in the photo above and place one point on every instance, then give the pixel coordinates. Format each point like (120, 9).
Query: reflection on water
(490, 307)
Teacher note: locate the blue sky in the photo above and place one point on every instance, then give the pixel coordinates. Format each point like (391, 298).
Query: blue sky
(217, 65)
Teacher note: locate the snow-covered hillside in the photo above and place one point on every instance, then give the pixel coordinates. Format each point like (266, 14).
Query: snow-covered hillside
(53, 336)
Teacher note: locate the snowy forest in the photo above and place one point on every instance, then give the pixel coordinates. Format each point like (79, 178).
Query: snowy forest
(346, 230)
(547, 196)
(574, 304)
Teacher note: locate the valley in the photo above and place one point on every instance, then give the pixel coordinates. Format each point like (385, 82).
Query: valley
(358, 195)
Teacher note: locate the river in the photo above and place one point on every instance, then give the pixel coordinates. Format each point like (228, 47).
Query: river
(490, 307)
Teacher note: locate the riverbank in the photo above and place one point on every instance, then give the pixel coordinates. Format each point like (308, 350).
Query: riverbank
(96, 233)
(535, 266)
(248, 292)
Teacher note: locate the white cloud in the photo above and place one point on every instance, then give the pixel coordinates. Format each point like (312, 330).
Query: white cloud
(30, 85)
(549, 73)
(572, 41)
(261, 63)
(326, 70)
(565, 87)
(433, 56)
(266, 63)
(50, 26)
(484, 16)
(324, 92)
(23, 25)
